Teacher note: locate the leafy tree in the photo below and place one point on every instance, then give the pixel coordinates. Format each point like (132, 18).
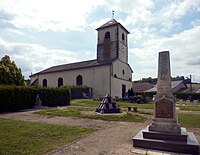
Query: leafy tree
(10, 74)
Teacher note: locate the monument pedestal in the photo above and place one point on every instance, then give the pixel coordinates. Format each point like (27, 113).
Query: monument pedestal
(179, 143)
(108, 106)
(165, 132)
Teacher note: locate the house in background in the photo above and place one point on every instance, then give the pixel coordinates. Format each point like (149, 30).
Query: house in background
(177, 86)
(195, 88)
(139, 87)
(110, 73)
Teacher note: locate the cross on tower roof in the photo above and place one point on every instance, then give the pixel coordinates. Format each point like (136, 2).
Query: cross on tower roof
(113, 14)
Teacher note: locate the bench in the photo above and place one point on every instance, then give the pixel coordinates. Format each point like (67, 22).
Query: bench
(133, 109)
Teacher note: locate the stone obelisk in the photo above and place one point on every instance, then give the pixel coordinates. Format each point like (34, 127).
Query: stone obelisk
(164, 133)
(165, 118)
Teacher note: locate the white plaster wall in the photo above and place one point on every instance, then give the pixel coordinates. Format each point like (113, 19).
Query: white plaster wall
(95, 77)
(117, 86)
(118, 67)
(123, 53)
(123, 49)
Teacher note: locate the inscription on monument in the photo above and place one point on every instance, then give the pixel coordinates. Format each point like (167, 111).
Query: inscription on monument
(164, 109)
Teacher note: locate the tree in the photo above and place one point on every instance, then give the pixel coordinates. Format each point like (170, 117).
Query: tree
(10, 74)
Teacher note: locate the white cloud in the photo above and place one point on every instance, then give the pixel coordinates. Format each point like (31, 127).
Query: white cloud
(184, 52)
(14, 31)
(146, 21)
(196, 23)
(55, 15)
(173, 11)
(33, 57)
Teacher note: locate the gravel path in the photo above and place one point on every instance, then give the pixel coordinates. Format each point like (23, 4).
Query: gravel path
(110, 138)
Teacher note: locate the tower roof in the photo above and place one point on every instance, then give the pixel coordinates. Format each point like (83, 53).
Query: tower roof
(110, 23)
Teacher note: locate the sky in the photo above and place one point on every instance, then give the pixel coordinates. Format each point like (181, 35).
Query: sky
(38, 34)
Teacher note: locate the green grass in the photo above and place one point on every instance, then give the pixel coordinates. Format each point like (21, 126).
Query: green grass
(145, 112)
(83, 108)
(84, 102)
(76, 113)
(190, 108)
(91, 103)
(189, 120)
(142, 106)
(18, 137)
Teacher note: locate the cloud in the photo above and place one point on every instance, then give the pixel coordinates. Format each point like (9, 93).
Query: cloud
(55, 15)
(194, 61)
(154, 26)
(175, 10)
(32, 58)
(184, 52)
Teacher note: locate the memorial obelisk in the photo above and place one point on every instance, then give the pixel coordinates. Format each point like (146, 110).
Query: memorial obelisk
(165, 118)
(165, 133)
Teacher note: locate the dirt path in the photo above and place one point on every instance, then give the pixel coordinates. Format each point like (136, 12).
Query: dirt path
(111, 138)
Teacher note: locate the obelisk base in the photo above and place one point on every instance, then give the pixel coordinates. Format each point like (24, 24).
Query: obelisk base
(179, 143)
(165, 125)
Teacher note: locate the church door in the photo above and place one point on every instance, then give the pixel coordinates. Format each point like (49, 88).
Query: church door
(123, 90)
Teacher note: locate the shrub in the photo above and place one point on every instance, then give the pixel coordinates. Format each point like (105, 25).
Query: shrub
(77, 91)
(138, 99)
(179, 95)
(54, 96)
(14, 98)
(185, 96)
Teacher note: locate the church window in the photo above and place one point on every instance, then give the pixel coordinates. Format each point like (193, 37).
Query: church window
(122, 36)
(129, 79)
(123, 72)
(60, 82)
(44, 83)
(115, 75)
(107, 35)
(79, 80)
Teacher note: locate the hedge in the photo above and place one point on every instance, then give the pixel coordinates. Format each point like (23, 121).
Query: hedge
(179, 95)
(185, 96)
(14, 98)
(77, 91)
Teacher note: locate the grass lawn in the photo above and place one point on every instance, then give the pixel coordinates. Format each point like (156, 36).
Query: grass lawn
(84, 102)
(128, 104)
(189, 120)
(91, 103)
(129, 117)
(190, 108)
(18, 137)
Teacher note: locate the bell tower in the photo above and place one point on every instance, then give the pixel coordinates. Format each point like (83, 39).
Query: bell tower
(112, 42)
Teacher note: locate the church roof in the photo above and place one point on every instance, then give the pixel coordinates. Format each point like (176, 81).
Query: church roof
(72, 66)
(110, 23)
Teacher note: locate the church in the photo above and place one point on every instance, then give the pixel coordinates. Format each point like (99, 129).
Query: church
(110, 73)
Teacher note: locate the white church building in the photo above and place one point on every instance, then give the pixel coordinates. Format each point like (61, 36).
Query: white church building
(109, 73)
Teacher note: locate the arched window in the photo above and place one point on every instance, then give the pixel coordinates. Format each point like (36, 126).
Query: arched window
(107, 35)
(60, 82)
(123, 72)
(115, 75)
(44, 83)
(122, 36)
(79, 80)
(129, 79)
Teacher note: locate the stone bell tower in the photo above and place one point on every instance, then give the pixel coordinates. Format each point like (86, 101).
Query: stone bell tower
(112, 42)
